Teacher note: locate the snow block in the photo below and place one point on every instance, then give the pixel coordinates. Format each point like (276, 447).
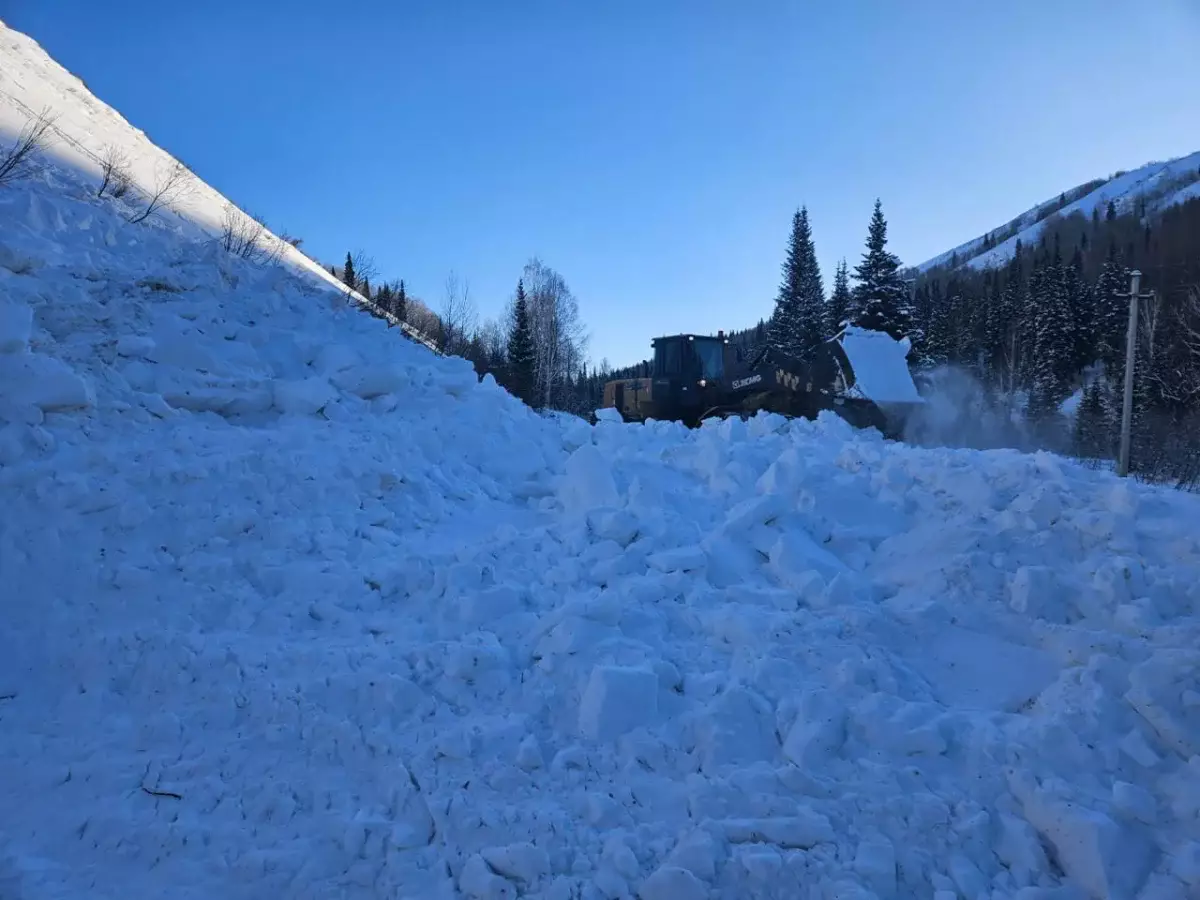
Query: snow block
(477, 880)
(737, 729)
(31, 379)
(135, 346)
(1035, 591)
(678, 559)
(523, 861)
(618, 699)
(369, 382)
(803, 830)
(1157, 689)
(305, 398)
(672, 883)
(795, 554)
(819, 730)
(16, 324)
(617, 525)
(875, 861)
(588, 482)
(1110, 861)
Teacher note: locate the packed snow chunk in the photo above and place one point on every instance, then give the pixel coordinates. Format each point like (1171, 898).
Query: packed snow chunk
(980, 671)
(16, 323)
(135, 346)
(617, 525)
(1035, 591)
(819, 730)
(369, 382)
(1186, 864)
(795, 554)
(875, 861)
(618, 699)
(1109, 860)
(698, 853)
(30, 379)
(477, 880)
(880, 365)
(678, 559)
(522, 862)
(305, 398)
(588, 482)
(1020, 849)
(803, 830)
(609, 414)
(672, 883)
(1164, 690)
(529, 754)
(479, 607)
(1135, 802)
(737, 728)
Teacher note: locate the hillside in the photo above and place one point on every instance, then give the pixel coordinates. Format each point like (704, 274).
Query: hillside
(1144, 191)
(294, 608)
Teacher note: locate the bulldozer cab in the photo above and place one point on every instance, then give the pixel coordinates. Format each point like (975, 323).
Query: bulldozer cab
(690, 358)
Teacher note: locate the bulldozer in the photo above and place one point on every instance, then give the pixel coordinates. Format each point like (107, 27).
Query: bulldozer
(860, 375)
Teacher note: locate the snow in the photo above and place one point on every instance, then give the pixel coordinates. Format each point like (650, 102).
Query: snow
(294, 607)
(1159, 184)
(880, 366)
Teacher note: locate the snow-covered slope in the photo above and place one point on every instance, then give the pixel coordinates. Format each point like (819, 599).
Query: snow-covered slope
(1158, 184)
(291, 608)
(83, 129)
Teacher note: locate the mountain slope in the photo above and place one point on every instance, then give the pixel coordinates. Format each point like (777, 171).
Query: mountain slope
(291, 608)
(85, 127)
(1157, 185)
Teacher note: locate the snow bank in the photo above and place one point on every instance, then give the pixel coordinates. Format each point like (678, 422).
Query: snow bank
(292, 607)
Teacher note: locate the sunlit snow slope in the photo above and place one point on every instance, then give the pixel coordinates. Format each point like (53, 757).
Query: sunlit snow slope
(291, 608)
(1155, 186)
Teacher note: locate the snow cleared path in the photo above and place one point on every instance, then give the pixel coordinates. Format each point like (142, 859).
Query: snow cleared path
(290, 607)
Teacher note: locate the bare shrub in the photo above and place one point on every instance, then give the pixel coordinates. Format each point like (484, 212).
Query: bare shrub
(114, 167)
(22, 159)
(169, 188)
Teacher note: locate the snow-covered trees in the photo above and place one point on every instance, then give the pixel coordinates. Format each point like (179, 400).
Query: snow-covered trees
(798, 322)
(1054, 338)
(1111, 312)
(838, 309)
(881, 298)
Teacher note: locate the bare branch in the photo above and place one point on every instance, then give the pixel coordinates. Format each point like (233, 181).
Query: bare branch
(114, 166)
(21, 160)
(169, 188)
(458, 316)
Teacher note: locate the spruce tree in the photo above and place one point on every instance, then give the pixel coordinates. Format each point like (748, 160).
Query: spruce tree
(521, 356)
(1091, 431)
(1112, 313)
(881, 301)
(838, 309)
(400, 303)
(798, 322)
(1082, 303)
(348, 278)
(1054, 342)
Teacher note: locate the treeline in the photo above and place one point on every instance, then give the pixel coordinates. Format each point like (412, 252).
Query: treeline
(1052, 324)
(536, 348)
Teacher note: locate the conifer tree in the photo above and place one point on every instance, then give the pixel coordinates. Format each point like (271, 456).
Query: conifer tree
(1082, 303)
(1091, 431)
(348, 278)
(400, 303)
(1054, 342)
(1112, 312)
(521, 352)
(881, 301)
(838, 310)
(798, 322)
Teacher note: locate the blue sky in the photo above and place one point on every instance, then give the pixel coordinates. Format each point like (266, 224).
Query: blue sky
(651, 152)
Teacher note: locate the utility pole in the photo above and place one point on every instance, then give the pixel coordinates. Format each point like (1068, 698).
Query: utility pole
(1135, 282)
